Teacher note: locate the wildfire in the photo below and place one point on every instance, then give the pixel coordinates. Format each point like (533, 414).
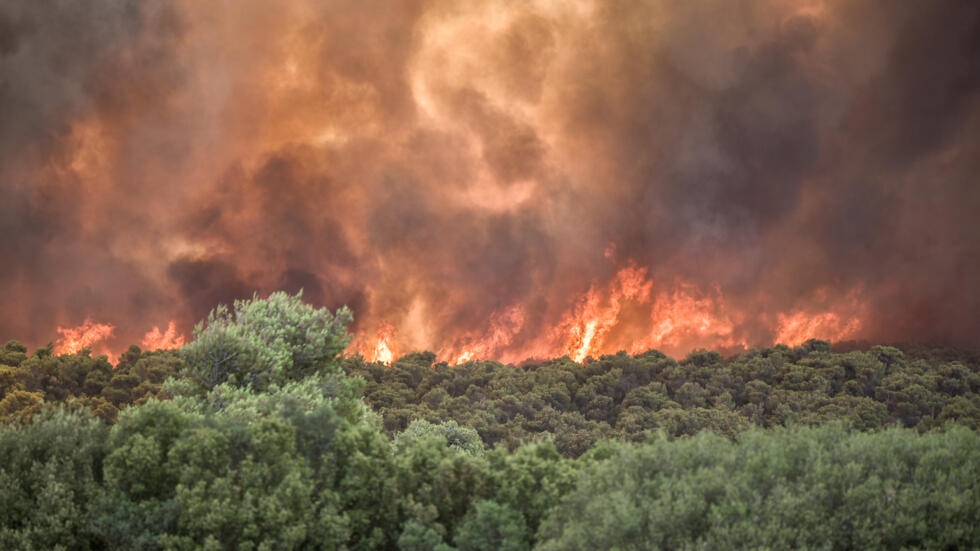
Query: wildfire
(485, 181)
(629, 313)
(687, 317)
(598, 312)
(796, 328)
(829, 320)
(634, 314)
(382, 350)
(504, 327)
(166, 340)
(91, 333)
(74, 339)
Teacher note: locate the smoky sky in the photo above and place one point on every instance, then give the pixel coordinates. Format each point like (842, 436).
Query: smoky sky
(433, 164)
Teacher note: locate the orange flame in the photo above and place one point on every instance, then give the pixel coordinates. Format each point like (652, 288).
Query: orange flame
(504, 326)
(166, 340)
(382, 350)
(796, 328)
(837, 321)
(680, 319)
(689, 318)
(74, 339)
(626, 314)
(584, 330)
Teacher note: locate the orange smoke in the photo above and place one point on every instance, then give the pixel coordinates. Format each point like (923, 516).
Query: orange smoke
(495, 180)
(166, 340)
(89, 333)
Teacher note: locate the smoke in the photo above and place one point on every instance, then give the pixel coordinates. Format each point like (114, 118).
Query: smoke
(475, 174)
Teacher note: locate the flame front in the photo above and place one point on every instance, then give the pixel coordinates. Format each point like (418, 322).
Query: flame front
(631, 314)
(840, 321)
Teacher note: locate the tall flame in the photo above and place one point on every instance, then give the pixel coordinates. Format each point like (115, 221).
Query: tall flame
(840, 321)
(687, 317)
(382, 349)
(584, 329)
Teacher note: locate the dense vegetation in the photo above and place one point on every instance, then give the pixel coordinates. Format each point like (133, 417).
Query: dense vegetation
(258, 435)
(636, 397)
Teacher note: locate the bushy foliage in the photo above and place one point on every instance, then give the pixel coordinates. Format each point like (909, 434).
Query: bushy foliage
(289, 470)
(262, 341)
(635, 398)
(489, 526)
(463, 439)
(29, 384)
(50, 470)
(804, 488)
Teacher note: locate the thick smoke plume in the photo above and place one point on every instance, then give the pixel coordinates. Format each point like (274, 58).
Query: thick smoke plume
(495, 179)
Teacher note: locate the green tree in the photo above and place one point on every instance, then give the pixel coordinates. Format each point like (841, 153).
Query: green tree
(264, 341)
(13, 353)
(531, 480)
(463, 439)
(490, 526)
(50, 471)
(437, 483)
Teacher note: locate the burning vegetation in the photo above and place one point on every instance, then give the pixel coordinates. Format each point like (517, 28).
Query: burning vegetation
(494, 274)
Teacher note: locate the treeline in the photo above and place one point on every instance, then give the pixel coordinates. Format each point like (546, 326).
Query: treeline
(28, 384)
(618, 396)
(258, 435)
(635, 398)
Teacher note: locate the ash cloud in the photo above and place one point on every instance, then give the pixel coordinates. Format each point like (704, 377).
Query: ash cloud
(432, 164)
